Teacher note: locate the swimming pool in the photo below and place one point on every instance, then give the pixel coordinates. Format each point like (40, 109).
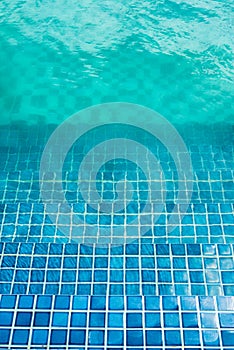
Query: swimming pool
(71, 275)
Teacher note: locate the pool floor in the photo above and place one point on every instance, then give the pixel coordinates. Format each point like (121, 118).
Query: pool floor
(161, 290)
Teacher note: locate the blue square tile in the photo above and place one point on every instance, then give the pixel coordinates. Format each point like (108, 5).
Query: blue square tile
(227, 320)
(97, 319)
(134, 337)
(164, 276)
(152, 320)
(116, 275)
(116, 303)
(179, 263)
(180, 276)
(170, 303)
(54, 262)
(71, 249)
(162, 249)
(99, 289)
(68, 289)
(40, 337)
(85, 262)
(147, 249)
(148, 276)
(68, 276)
(132, 289)
(198, 289)
(207, 303)
(164, 263)
(115, 337)
(115, 320)
(189, 320)
(226, 264)
(171, 320)
(98, 303)
(78, 319)
(196, 276)
(193, 249)
(20, 337)
(227, 277)
(39, 262)
(4, 336)
(134, 320)
(86, 250)
(37, 276)
(153, 338)
(60, 319)
(62, 302)
(96, 337)
(116, 262)
(51, 289)
(178, 249)
(195, 263)
(8, 302)
(148, 289)
(148, 262)
(44, 302)
(191, 338)
(84, 289)
(173, 338)
(6, 275)
(212, 276)
(101, 262)
(116, 289)
(77, 337)
(132, 276)
(80, 302)
(58, 337)
(21, 275)
(23, 261)
(134, 303)
(228, 337)
(23, 319)
(210, 338)
(11, 248)
(85, 276)
(132, 249)
(100, 276)
(6, 318)
(41, 319)
(209, 249)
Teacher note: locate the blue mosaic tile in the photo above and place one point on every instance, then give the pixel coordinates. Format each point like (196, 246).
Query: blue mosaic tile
(208, 273)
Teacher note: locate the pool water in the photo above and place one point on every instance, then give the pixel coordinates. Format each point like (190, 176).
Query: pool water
(96, 289)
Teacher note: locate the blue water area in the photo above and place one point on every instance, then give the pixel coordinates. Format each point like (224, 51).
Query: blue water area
(71, 275)
(172, 56)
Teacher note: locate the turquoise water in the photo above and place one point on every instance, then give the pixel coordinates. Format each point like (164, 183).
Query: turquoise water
(172, 56)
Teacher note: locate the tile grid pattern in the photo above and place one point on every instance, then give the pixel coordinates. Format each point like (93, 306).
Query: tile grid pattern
(159, 309)
(134, 269)
(134, 321)
(209, 187)
(203, 223)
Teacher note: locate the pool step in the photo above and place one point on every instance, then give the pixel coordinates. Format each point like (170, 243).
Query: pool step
(209, 186)
(116, 322)
(130, 269)
(27, 222)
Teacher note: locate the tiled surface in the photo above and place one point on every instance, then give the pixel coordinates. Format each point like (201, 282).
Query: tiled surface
(25, 222)
(168, 74)
(82, 322)
(131, 269)
(57, 294)
(208, 187)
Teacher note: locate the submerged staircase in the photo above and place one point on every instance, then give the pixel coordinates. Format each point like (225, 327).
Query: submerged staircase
(158, 292)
